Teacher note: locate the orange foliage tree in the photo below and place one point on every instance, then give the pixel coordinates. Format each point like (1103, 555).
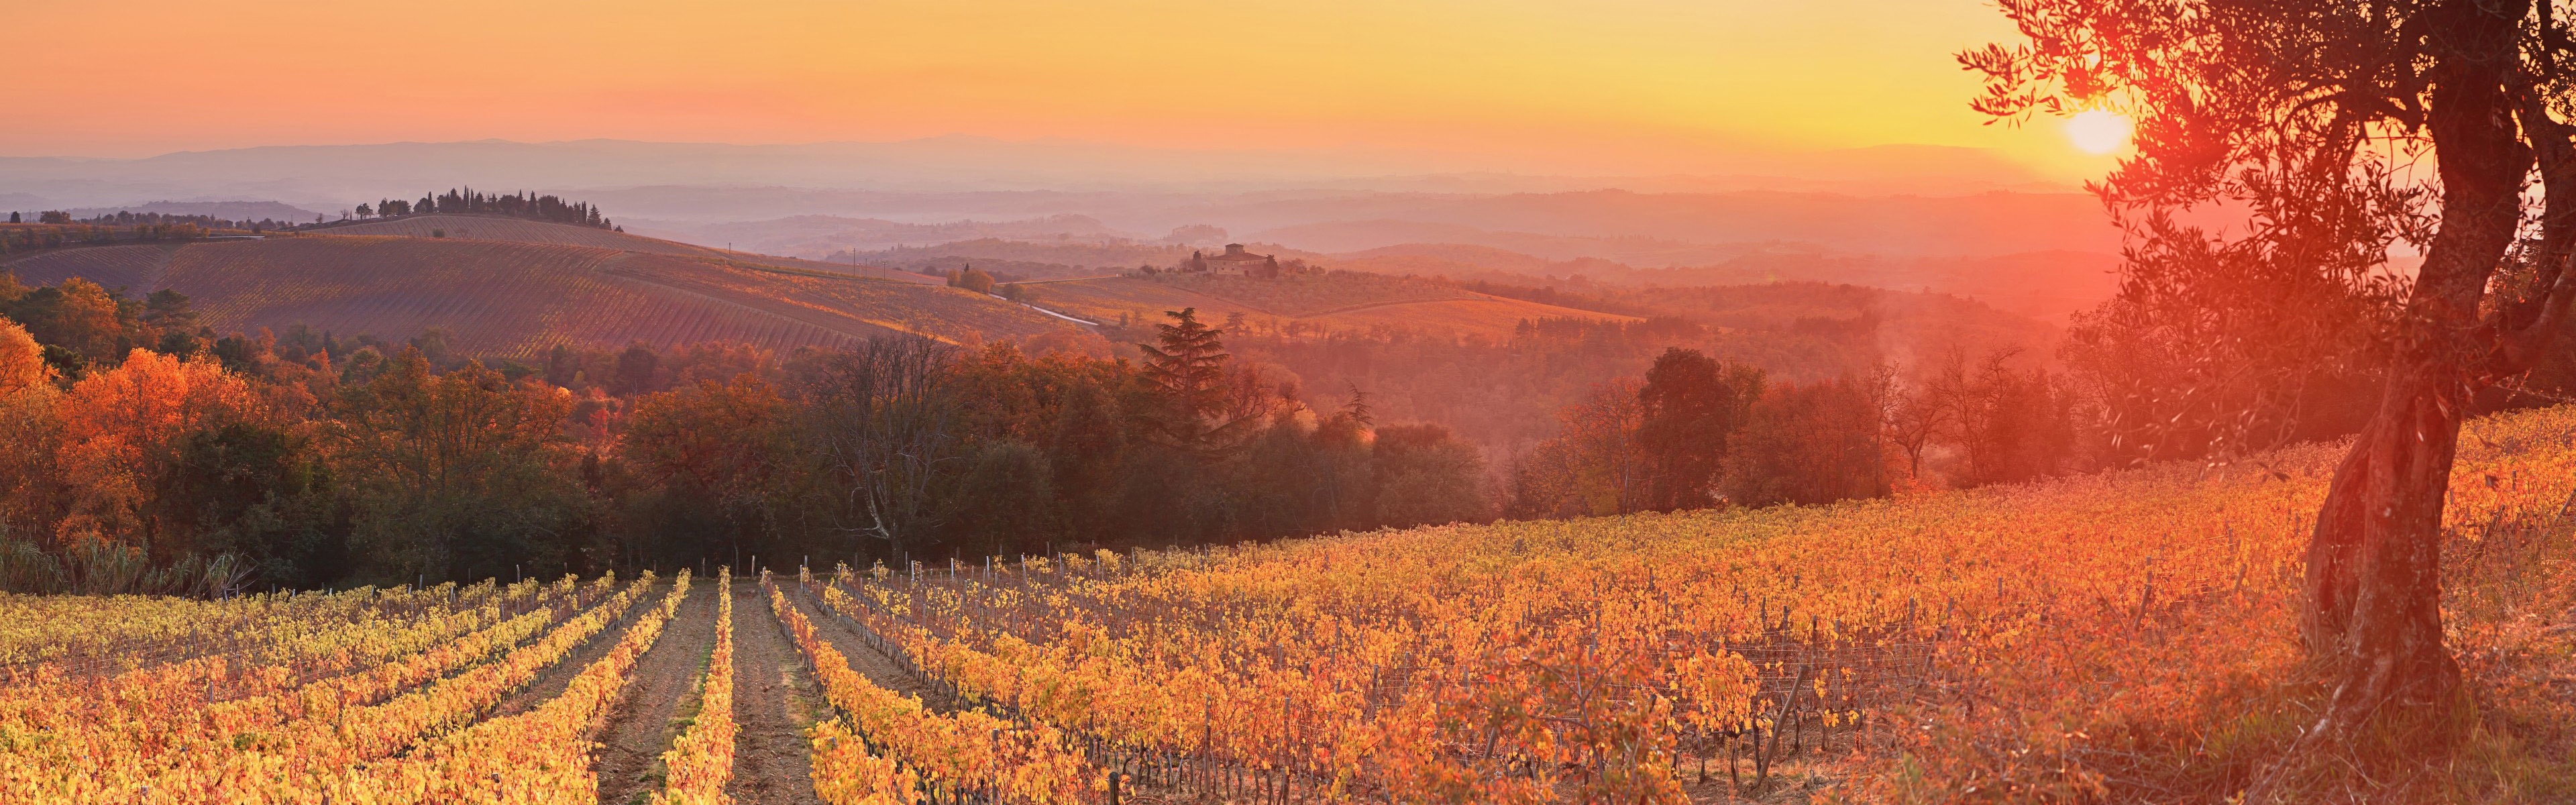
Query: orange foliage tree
(455, 474)
(31, 427)
(122, 430)
(78, 315)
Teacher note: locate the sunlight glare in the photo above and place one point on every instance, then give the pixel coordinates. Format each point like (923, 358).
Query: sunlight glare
(2098, 131)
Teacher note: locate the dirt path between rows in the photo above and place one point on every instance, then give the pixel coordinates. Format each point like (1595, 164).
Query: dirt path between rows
(876, 666)
(552, 681)
(629, 761)
(774, 700)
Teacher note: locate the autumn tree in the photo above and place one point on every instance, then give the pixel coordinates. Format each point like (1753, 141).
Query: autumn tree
(1002, 500)
(973, 280)
(880, 422)
(1019, 413)
(1424, 476)
(76, 315)
(1086, 447)
(2008, 424)
(636, 368)
(124, 430)
(1208, 405)
(456, 475)
(1808, 444)
(1913, 416)
(1691, 404)
(257, 490)
(2305, 118)
(22, 360)
(31, 482)
(1596, 465)
(715, 453)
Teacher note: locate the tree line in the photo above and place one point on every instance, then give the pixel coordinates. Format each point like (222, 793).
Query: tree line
(140, 439)
(34, 238)
(1698, 432)
(130, 218)
(522, 204)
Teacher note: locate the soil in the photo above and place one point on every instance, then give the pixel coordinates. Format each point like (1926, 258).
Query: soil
(629, 761)
(552, 681)
(774, 701)
(876, 666)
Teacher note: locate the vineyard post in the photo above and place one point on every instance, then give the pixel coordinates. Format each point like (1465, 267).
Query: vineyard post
(1762, 756)
(1733, 785)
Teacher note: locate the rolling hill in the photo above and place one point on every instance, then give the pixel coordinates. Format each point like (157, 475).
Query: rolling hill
(1340, 301)
(517, 298)
(819, 235)
(519, 230)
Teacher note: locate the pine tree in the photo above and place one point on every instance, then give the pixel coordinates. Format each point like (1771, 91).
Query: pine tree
(1358, 408)
(1188, 375)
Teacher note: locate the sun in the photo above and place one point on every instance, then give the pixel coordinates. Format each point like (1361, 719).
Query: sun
(2098, 131)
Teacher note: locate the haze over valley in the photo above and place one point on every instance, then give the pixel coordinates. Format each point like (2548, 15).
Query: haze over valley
(1399, 402)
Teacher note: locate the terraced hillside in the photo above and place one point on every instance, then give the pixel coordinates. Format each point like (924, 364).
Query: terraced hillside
(517, 299)
(520, 230)
(133, 267)
(1340, 301)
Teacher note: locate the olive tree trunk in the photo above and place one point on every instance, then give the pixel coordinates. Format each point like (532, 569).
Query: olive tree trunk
(2374, 576)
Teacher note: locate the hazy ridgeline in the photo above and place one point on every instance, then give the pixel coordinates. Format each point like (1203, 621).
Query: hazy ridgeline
(316, 459)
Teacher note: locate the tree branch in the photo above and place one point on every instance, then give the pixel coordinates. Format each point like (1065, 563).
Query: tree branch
(2520, 346)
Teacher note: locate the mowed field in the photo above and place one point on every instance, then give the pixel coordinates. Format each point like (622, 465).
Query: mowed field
(2131, 635)
(1346, 301)
(517, 299)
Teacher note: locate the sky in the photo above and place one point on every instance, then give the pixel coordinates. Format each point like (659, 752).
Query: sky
(1636, 86)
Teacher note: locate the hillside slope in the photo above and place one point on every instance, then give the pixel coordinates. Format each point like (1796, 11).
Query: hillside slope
(520, 230)
(516, 299)
(134, 267)
(1341, 301)
(2044, 285)
(2131, 635)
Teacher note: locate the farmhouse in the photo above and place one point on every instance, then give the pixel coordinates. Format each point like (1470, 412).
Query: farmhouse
(1236, 261)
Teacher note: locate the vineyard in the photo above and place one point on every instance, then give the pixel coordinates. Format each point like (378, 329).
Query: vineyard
(1338, 302)
(517, 299)
(2120, 637)
(520, 230)
(134, 267)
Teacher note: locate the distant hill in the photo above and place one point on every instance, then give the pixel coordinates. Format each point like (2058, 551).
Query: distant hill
(520, 230)
(2041, 285)
(519, 297)
(227, 210)
(819, 236)
(1340, 301)
(1972, 224)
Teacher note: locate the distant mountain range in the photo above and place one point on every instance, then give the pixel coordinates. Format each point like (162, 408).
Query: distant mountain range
(822, 235)
(1960, 220)
(331, 177)
(227, 210)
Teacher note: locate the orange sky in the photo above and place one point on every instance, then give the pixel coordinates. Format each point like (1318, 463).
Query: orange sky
(1639, 85)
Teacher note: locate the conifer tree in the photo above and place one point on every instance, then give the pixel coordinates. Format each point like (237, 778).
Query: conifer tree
(1188, 375)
